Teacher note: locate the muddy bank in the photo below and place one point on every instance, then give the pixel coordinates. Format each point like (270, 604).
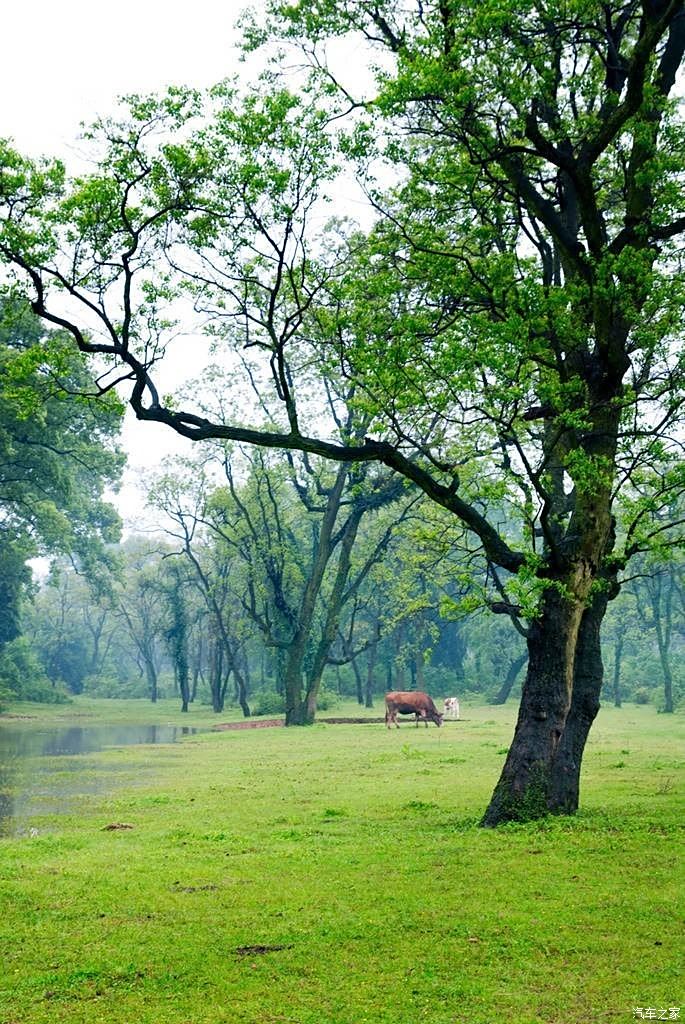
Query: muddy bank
(268, 723)
(249, 723)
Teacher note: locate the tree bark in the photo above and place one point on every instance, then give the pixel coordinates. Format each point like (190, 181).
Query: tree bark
(525, 786)
(587, 684)
(359, 684)
(241, 685)
(216, 674)
(295, 711)
(420, 676)
(370, 667)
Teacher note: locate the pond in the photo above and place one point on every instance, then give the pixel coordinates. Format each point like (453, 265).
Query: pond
(45, 769)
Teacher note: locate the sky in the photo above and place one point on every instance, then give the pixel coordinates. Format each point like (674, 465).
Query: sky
(65, 63)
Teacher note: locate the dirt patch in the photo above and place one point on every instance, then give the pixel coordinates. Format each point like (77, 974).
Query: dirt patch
(258, 950)
(249, 723)
(177, 887)
(351, 721)
(269, 723)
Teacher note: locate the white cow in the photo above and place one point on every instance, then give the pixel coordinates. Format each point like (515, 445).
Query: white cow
(452, 708)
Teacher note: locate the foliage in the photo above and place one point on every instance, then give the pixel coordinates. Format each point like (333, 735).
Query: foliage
(22, 676)
(57, 454)
(107, 684)
(269, 703)
(57, 444)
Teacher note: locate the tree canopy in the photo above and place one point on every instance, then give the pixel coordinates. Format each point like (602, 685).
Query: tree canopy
(57, 454)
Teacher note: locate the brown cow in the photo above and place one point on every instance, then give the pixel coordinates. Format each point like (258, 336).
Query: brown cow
(411, 702)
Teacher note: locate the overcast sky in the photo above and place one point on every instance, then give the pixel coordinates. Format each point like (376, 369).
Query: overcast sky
(65, 63)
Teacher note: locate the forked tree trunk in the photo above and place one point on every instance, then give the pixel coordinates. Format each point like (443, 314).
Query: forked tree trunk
(663, 642)
(587, 685)
(532, 786)
(525, 786)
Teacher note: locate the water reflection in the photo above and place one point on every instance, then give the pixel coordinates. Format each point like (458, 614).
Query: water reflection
(31, 783)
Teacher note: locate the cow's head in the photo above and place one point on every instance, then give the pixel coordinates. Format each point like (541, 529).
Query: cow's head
(438, 719)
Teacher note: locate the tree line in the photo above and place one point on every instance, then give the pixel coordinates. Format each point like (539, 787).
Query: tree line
(210, 609)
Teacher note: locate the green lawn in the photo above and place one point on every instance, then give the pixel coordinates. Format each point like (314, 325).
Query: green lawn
(336, 875)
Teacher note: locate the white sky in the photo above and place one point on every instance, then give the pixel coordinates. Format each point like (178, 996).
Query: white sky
(65, 63)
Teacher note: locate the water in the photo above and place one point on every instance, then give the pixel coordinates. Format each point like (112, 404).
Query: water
(45, 769)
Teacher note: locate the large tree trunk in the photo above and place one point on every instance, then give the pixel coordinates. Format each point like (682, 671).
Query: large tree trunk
(295, 709)
(525, 786)
(216, 675)
(303, 712)
(419, 675)
(587, 684)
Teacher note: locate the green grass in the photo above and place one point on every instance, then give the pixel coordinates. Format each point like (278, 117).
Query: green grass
(336, 875)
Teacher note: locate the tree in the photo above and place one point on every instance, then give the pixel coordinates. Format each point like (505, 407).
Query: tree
(137, 601)
(623, 642)
(283, 543)
(509, 324)
(57, 455)
(183, 498)
(656, 595)
(173, 585)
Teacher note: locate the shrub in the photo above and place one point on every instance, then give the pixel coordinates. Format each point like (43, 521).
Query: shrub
(442, 682)
(326, 699)
(107, 685)
(22, 676)
(642, 696)
(269, 703)
(5, 696)
(44, 692)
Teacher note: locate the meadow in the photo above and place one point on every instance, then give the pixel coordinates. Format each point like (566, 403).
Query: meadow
(337, 875)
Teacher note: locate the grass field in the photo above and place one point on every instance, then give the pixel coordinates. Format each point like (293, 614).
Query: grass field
(336, 875)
